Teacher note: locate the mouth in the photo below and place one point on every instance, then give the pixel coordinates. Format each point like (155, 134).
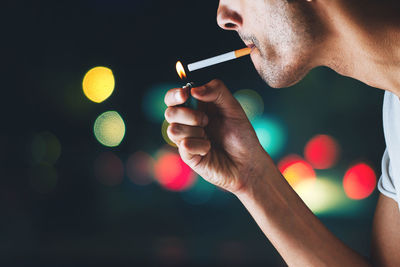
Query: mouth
(251, 45)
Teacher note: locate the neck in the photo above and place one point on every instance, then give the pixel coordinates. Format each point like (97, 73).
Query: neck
(364, 44)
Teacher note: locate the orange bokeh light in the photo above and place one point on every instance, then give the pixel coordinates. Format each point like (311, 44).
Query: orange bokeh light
(295, 169)
(322, 151)
(172, 173)
(359, 181)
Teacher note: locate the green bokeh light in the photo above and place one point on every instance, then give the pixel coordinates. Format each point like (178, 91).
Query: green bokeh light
(251, 102)
(109, 129)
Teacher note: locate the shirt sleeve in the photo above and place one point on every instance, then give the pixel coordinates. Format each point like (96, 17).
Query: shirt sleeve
(385, 184)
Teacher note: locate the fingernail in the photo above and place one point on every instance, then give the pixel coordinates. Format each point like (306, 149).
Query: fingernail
(205, 120)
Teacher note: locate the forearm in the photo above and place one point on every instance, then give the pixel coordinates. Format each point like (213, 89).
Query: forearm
(297, 234)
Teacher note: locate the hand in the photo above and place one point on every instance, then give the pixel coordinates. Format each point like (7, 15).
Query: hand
(217, 141)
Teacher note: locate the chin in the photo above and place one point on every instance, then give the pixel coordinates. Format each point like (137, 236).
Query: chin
(278, 75)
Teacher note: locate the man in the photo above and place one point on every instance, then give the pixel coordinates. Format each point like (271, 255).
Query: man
(356, 38)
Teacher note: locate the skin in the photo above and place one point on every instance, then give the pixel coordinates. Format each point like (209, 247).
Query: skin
(218, 142)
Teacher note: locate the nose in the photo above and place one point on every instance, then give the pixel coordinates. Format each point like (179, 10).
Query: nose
(229, 18)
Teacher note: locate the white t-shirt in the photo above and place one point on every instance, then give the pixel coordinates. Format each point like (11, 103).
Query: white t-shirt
(389, 183)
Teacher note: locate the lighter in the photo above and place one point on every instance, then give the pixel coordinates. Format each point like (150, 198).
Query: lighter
(191, 102)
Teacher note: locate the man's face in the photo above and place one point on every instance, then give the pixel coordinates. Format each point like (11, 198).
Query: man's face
(284, 33)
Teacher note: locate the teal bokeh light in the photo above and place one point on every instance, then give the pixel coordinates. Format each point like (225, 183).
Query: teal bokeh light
(153, 101)
(200, 193)
(271, 135)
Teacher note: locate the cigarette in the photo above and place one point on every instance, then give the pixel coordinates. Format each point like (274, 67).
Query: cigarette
(219, 59)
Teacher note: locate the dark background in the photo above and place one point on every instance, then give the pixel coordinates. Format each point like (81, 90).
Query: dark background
(50, 45)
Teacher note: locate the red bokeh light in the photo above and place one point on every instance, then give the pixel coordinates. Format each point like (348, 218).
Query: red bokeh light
(172, 173)
(139, 168)
(359, 181)
(322, 151)
(109, 169)
(295, 169)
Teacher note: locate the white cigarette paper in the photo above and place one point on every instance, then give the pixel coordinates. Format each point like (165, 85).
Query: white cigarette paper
(218, 59)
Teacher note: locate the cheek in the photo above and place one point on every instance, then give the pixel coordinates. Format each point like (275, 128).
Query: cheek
(256, 58)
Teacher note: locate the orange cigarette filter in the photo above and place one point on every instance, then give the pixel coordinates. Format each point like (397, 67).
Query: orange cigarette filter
(219, 59)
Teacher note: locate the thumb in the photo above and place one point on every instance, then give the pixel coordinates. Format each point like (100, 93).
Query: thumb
(216, 92)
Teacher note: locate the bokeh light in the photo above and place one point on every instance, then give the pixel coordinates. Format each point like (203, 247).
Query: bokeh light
(200, 193)
(153, 102)
(321, 195)
(43, 178)
(109, 129)
(251, 102)
(270, 134)
(296, 170)
(359, 181)
(45, 148)
(171, 251)
(172, 173)
(139, 168)
(164, 128)
(322, 151)
(98, 84)
(109, 169)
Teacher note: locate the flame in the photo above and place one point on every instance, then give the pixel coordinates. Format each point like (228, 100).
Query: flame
(180, 70)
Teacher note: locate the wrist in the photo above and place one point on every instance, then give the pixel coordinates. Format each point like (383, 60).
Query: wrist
(258, 179)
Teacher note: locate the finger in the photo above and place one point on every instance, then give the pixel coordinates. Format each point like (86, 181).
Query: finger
(177, 132)
(183, 115)
(194, 146)
(176, 96)
(216, 92)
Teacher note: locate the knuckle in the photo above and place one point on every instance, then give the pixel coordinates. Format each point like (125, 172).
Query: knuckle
(186, 144)
(170, 132)
(169, 113)
(198, 119)
(174, 129)
(202, 133)
(166, 99)
(216, 83)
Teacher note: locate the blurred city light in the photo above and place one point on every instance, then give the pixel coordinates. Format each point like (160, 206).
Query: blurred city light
(171, 251)
(172, 173)
(321, 195)
(164, 128)
(98, 84)
(296, 170)
(139, 168)
(270, 134)
(43, 178)
(200, 193)
(109, 129)
(109, 169)
(153, 102)
(322, 151)
(45, 148)
(359, 181)
(251, 102)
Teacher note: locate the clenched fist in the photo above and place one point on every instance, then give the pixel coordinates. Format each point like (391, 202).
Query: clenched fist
(217, 141)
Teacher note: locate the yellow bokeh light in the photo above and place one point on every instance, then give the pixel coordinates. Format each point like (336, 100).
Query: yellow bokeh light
(98, 84)
(109, 129)
(164, 128)
(321, 195)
